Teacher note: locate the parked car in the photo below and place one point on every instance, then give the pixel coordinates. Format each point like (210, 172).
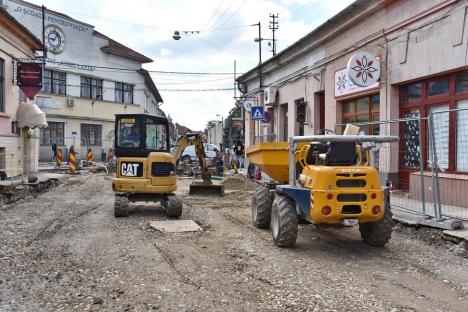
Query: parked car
(189, 155)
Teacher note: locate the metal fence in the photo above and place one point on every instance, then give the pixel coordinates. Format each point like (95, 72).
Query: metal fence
(11, 165)
(427, 169)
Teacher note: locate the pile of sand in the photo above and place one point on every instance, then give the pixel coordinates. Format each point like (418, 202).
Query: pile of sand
(239, 182)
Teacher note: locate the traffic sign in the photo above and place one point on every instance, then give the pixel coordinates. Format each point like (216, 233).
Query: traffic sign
(258, 113)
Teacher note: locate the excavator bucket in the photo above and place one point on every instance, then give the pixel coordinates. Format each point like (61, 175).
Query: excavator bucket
(205, 188)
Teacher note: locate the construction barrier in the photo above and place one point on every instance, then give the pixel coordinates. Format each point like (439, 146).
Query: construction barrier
(90, 155)
(58, 158)
(110, 156)
(72, 161)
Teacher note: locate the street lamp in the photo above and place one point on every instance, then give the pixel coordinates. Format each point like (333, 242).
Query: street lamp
(178, 34)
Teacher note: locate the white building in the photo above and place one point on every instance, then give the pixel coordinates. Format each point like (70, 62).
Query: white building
(89, 78)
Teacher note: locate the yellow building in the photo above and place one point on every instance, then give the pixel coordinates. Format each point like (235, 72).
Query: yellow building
(89, 78)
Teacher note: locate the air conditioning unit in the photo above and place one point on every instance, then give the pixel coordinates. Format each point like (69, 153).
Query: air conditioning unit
(70, 102)
(269, 95)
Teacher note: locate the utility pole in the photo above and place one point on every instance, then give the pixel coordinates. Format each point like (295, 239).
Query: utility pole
(274, 27)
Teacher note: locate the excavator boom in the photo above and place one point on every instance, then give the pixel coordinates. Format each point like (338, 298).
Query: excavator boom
(206, 187)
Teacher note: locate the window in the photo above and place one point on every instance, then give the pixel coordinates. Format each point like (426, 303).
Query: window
(362, 110)
(438, 87)
(2, 85)
(409, 142)
(53, 134)
(54, 82)
(439, 96)
(91, 88)
(128, 133)
(156, 136)
(411, 92)
(462, 136)
(123, 93)
(461, 81)
(91, 135)
(441, 134)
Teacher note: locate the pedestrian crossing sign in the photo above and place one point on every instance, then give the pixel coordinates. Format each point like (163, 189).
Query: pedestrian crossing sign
(258, 113)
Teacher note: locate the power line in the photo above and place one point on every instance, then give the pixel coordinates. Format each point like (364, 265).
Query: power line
(223, 49)
(148, 26)
(222, 15)
(233, 14)
(75, 65)
(212, 15)
(192, 82)
(196, 90)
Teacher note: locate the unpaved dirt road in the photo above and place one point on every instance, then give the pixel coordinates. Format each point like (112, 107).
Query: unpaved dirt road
(64, 251)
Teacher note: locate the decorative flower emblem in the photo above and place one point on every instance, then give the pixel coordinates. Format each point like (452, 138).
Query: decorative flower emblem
(364, 69)
(341, 83)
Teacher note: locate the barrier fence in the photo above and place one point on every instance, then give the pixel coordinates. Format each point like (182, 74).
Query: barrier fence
(11, 166)
(427, 169)
(99, 150)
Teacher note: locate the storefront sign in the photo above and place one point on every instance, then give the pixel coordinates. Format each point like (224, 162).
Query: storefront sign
(344, 86)
(363, 69)
(28, 11)
(29, 78)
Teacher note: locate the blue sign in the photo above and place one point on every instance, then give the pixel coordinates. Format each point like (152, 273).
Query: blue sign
(258, 113)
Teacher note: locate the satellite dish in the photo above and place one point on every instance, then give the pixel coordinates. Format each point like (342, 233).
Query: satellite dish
(363, 69)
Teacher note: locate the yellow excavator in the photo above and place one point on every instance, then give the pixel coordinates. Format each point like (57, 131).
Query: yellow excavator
(145, 167)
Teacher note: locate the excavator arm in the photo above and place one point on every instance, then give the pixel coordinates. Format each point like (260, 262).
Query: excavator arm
(196, 140)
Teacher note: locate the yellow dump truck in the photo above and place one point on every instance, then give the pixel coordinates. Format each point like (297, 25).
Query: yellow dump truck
(322, 179)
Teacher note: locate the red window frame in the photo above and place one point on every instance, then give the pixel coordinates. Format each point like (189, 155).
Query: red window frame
(424, 104)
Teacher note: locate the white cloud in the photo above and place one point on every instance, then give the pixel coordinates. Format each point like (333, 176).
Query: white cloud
(211, 51)
(165, 52)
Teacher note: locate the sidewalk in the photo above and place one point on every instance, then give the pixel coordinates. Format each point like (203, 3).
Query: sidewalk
(15, 189)
(413, 220)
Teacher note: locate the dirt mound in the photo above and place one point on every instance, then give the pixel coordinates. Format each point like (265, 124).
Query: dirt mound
(238, 182)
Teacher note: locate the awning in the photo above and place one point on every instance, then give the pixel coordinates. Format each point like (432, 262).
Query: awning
(30, 115)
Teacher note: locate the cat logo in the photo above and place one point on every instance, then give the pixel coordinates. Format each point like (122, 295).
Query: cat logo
(130, 169)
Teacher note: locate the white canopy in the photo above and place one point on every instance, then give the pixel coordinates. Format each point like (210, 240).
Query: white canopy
(30, 115)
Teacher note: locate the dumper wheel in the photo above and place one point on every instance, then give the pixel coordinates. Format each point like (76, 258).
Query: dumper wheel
(173, 206)
(378, 233)
(284, 222)
(120, 206)
(261, 208)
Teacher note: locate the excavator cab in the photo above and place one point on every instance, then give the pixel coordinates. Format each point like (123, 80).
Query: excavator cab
(146, 170)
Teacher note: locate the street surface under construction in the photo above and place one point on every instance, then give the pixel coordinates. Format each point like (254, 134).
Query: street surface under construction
(65, 251)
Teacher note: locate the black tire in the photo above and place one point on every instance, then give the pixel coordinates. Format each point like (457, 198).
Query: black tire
(378, 233)
(261, 208)
(284, 222)
(173, 206)
(120, 206)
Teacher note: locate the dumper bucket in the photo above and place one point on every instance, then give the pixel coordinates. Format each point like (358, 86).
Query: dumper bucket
(205, 188)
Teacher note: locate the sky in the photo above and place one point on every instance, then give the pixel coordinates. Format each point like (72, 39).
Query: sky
(225, 35)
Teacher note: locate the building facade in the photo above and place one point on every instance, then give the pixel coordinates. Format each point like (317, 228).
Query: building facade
(421, 45)
(88, 78)
(18, 146)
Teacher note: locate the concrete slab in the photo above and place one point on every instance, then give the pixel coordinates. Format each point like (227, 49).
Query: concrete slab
(461, 233)
(175, 226)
